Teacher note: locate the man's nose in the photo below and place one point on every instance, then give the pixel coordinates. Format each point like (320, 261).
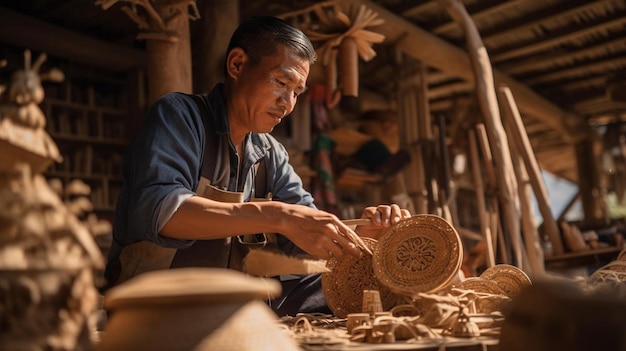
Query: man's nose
(287, 101)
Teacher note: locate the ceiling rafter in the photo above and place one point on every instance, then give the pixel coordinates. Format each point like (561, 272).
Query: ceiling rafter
(576, 71)
(544, 16)
(423, 7)
(477, 14)
(550, 61)
(552, 41)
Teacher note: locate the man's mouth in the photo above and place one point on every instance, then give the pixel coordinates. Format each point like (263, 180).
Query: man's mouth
(277, 115)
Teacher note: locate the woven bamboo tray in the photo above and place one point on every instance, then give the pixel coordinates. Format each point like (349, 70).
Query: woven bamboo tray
(509, 278)
(343, 286)
(421, 254)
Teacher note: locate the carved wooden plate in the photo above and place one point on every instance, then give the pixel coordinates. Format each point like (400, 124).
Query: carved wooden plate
(421, 254)
(343, 286)
(510, 278)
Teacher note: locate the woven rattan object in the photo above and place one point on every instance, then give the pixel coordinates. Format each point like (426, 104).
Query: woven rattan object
(480, 285)
(509, 278)
(489, 295)
(421, 254)
(612, 271)
(343, 286)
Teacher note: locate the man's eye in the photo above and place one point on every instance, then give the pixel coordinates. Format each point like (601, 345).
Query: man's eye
(280, 82)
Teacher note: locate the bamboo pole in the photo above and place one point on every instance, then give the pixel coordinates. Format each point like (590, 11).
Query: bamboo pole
(489, 106)
(425, 138)
(408, 96)
(445, 177)
(516, 130)
(493, 208)
(423, 114)
(485, 228)
(531, 236)
(349, 67)
(416, 180)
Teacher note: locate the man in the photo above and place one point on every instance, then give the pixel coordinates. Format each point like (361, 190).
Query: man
(196, 166)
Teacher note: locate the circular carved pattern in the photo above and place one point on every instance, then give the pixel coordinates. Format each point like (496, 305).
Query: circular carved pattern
(417, 254)
(421, 254)
(343, 286)
(509, 278)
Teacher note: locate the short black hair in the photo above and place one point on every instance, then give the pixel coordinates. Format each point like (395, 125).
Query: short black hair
(258, 36)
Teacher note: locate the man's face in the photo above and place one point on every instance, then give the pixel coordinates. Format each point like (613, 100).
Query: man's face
(266, 92)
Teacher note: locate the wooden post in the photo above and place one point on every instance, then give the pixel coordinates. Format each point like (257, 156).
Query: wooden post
(209, 37)
(169, 62)
(519, 136)
(489, 106)
(588, 155)
(165, 26)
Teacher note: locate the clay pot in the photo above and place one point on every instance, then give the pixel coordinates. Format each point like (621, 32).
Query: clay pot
(193, 309)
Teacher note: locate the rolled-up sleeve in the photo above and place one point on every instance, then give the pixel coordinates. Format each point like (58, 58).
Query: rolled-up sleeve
(161, 170)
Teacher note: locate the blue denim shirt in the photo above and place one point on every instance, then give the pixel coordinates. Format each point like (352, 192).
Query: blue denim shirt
(181, 139)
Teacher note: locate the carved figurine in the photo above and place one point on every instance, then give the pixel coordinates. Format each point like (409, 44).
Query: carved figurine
(22, 123)
(47, 256)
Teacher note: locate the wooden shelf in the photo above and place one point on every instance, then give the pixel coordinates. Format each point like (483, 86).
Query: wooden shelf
(595, 258)
(88, 121)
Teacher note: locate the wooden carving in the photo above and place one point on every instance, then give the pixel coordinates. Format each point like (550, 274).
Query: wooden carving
(47, 255)
(154, 20)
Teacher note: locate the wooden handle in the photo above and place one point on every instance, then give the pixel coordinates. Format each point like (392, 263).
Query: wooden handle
(358, 221)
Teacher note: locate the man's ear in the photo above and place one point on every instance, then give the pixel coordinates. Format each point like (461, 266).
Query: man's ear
(235, 61)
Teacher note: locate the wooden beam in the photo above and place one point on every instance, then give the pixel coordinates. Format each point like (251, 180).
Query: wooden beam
(437, 53)
(23, 31)
(478, 15)
(549, 15)
(536, 46)
(615, 64)
(446, 90)
(425, 6)
(551, 60)
(600, 105)
(584, 84)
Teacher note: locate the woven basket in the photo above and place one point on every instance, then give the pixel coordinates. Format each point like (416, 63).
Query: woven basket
(480, 285)
(613, 271)
(509, 278)
(421, 254)
(490, 295)
(343, 286)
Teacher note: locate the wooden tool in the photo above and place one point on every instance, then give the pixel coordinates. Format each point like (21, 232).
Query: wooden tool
(358, 221)
(354, 237)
